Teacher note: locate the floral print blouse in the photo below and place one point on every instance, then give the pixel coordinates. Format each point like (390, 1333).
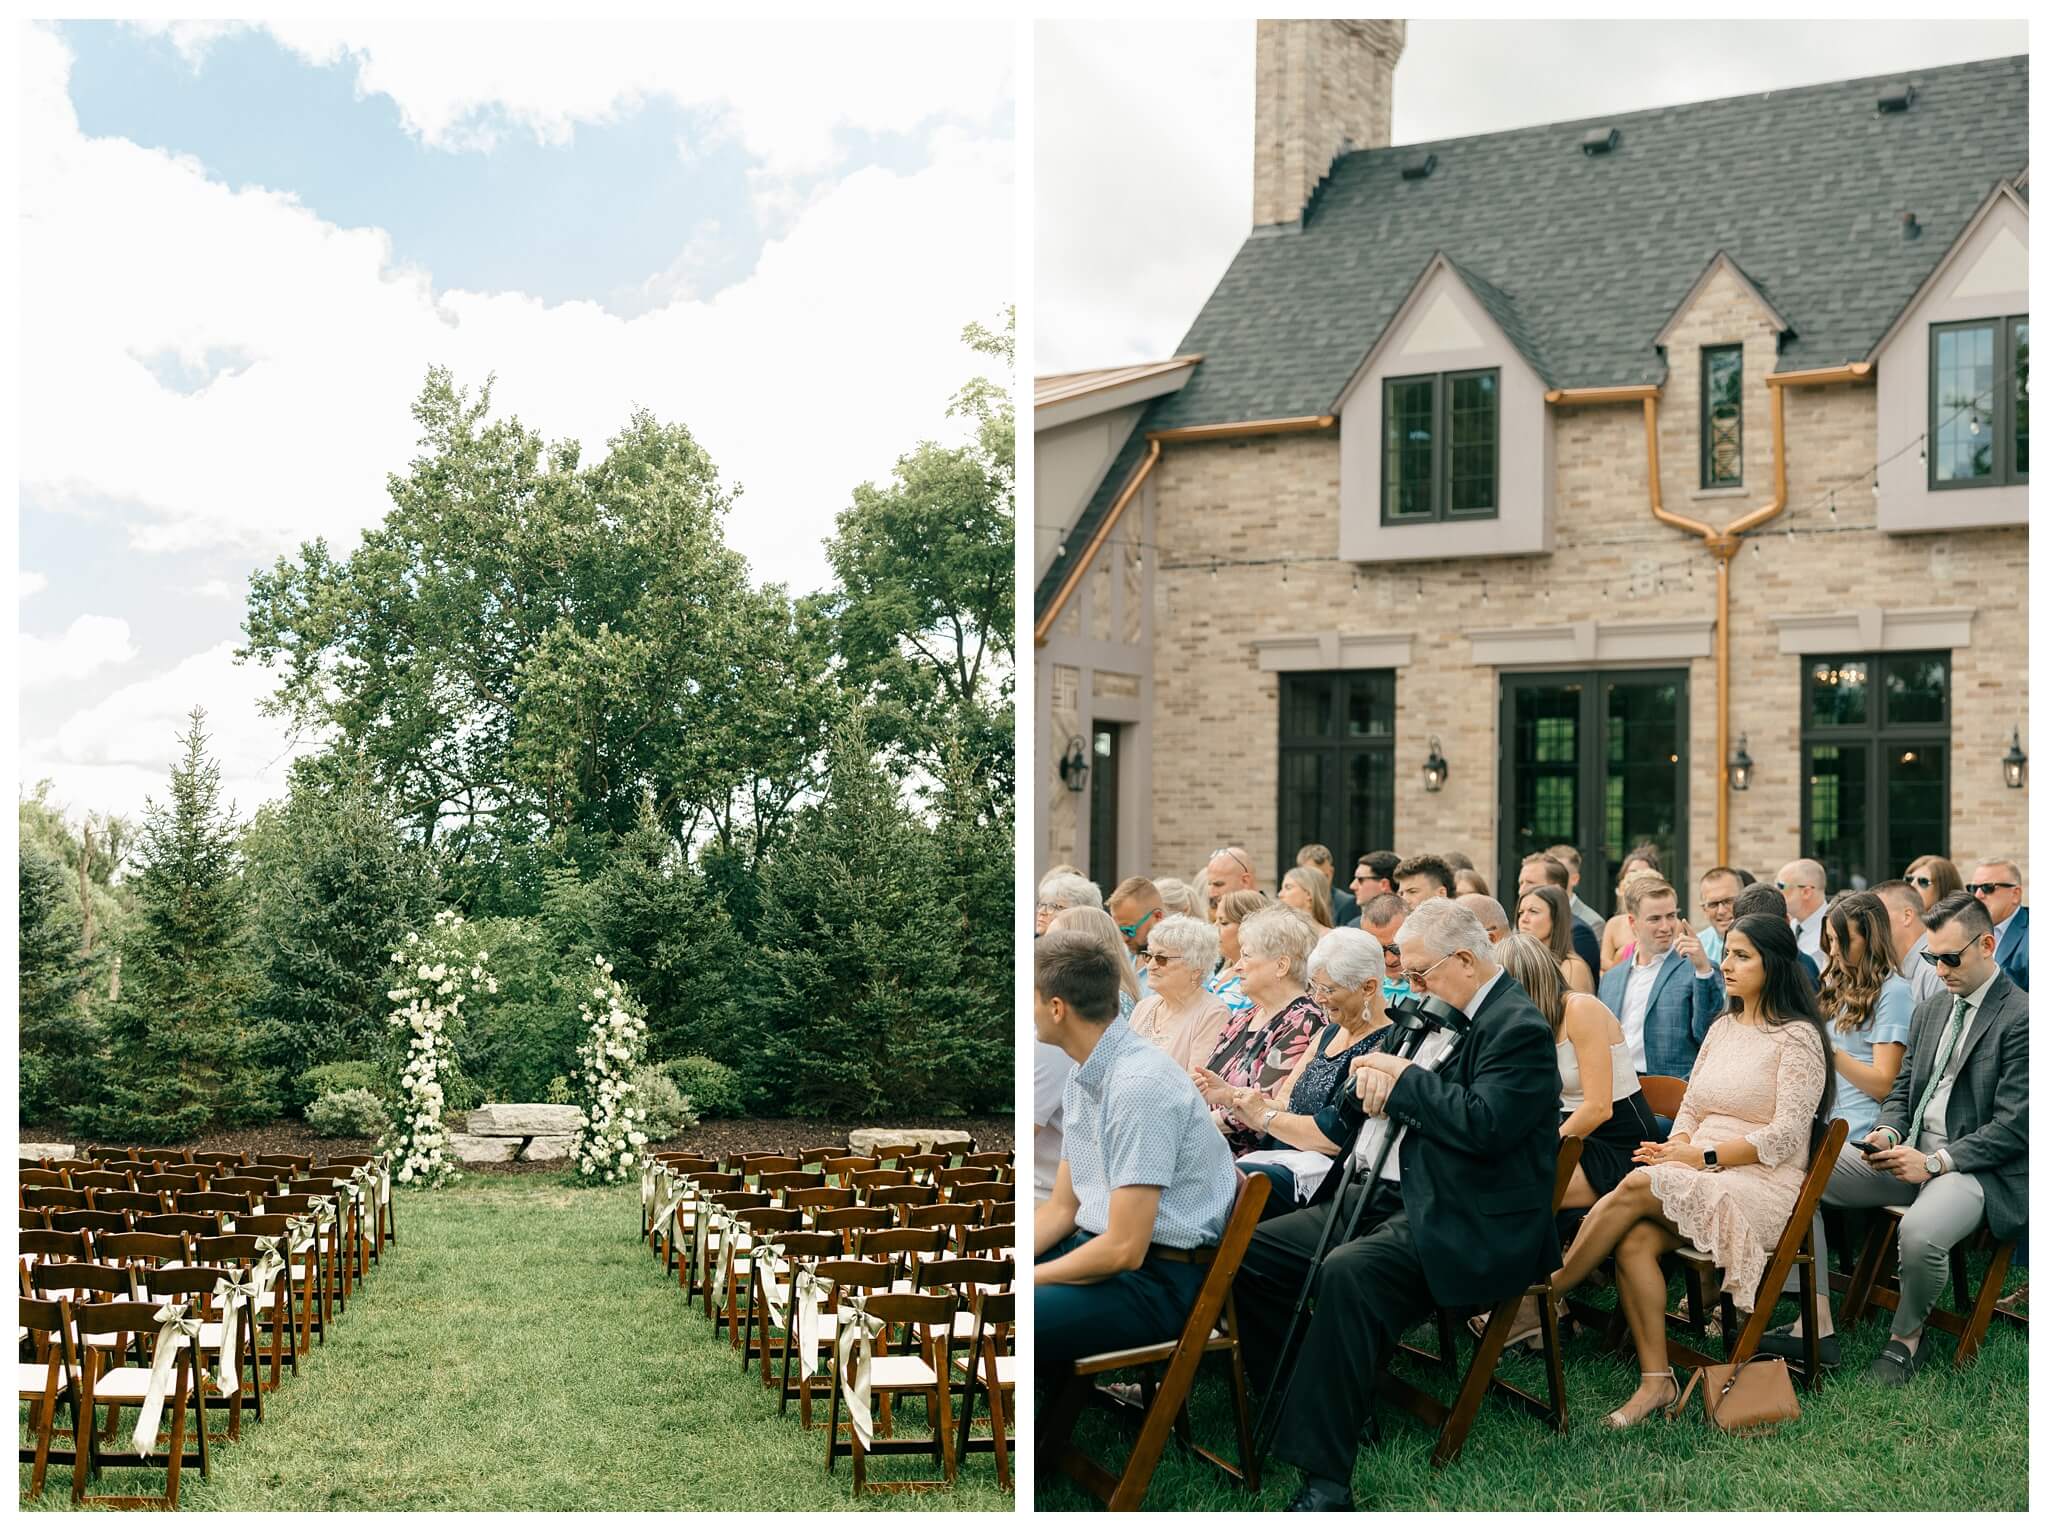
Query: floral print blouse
(1257, 1055)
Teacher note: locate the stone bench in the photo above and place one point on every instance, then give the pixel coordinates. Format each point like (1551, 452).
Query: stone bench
(887, 1142)
(499, 1133)
(46, 1150)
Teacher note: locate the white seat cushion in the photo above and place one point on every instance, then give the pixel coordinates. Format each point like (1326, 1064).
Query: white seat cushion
(901, 1371)
(1006, 1368)
(35, 1377)
(124, 1384)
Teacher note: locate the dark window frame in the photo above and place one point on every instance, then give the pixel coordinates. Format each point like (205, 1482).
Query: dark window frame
(1337, 747)
(2010, 375)
(1440, 446)
(2004, 400)
(1878, 735)
(1707, 479)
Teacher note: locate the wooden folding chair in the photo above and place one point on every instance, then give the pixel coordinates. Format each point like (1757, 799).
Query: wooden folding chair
(771, 1276)
(105, 1333)
(348, 1229)
(923, 1370)
(990, 1364)
(172, 1184)
(46, 1380)
(754, 1225)
(37, 1176)
(38, 1246)
(1211, 1329)
(133, 1204)
(1969, 1320)
(273, 1308)
(103, 1180)
(220, 1374)
(817, 1197)
(220, 1160)
(675, 1240)
(865, 1180)
(1453, 1422)
(893, 1196)
(305, 1280)
(329, 1267)
(713, 1212)
(841, 1169)
(53, 1198)
(140, 1254)
(851, 1220)
(843, 1279)
(923, 1166)
(384, 1219)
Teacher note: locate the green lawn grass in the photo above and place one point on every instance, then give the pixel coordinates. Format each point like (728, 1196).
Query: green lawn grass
(520, 1351)
(1950, 1441)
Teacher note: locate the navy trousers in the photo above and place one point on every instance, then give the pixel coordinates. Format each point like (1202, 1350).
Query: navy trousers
(1147, 1306)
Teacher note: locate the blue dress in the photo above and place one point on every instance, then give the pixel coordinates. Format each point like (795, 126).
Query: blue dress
(1890, 1019)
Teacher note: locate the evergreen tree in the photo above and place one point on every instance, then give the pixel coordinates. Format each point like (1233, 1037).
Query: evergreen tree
(58, 1040)
(978, 866)
(183, 1055)
(860, 940)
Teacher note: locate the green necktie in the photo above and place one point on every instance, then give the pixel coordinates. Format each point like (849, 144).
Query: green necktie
(1941, 1057)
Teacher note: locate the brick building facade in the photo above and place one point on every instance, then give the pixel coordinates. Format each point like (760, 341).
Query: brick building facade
(1245, 568)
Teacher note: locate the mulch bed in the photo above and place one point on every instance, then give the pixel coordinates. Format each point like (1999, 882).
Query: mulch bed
(739, 1135)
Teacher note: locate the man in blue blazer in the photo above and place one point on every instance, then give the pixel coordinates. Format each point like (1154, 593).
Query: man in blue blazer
(1997, 886)
(1667, 994)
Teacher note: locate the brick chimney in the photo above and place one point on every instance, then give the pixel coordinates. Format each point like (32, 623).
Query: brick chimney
(1323, 87)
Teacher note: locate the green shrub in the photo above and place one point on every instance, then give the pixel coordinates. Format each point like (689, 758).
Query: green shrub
(558, 1092)
(711, 1087)
(333, 1078)
(664, 1110)
(348, 1114)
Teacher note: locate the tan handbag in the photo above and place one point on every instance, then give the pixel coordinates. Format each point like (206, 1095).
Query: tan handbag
(1747, 1399)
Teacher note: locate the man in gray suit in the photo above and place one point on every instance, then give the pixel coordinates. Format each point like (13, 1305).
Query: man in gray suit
(1950, 1145)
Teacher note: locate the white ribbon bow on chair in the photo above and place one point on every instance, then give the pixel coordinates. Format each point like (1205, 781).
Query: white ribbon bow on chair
(648, 1170)
(811, 1292)
(172, 1321)
(857, 1329)
(778, 1312)
(728, 1232)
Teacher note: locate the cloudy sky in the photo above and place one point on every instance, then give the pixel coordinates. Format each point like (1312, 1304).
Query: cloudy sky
(1144, 133)
(242, 248)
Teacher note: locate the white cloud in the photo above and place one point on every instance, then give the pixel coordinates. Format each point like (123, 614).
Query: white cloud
(220, 590)
(27, 583)
(834, 355)
(117, 752)
(784, 89)
(90, 643)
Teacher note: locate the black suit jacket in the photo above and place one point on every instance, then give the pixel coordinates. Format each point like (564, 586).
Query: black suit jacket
(1479, 1161)
(1987, 1106)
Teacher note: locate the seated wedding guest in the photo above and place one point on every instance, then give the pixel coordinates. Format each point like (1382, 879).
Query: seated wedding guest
(1869, 1005)
(1180, 1015)
(1540, 870)
(1424, 877)
(1544, 914)
(1951, 1136)
(1307, 892)
(1143, 1174)
(1298, 1119)
(1617, 936)
(1374, 876)
(1065, 889)
(1178, 897)
(1049, 1070)
(1380, 917)
(1998, 886)
(1762, 898)
(1136, 907)
(1718, 887)
(1934, 878)
(1343, 906)
(1583, 912)
(1459, 1218)
(1601, 1098)
(1260, 1048)
(1096, 925)
(1487, 910)
(1728, 1176)
(1666, 994)
(1457, 861)
(1226, 983)
(1466, 880)
(1229, 871)
(1909, 936)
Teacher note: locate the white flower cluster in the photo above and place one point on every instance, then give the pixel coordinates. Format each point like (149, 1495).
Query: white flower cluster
(436, 976)
(608, 1132)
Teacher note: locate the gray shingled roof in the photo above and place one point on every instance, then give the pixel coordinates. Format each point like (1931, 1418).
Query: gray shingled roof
(1583, 259)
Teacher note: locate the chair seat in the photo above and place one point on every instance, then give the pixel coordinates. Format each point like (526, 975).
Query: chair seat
(124, 1384)
(34, 1378)
(901, 1372)
(1143, 1355)
(1006, 1368)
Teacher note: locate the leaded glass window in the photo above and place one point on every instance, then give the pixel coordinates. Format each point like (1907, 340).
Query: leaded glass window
(1440, 448)
(1721, 417)
(1876, 754)
(1977, 403)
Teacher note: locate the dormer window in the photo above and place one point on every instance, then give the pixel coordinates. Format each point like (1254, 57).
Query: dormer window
(1977, 403)
(1440, 450)
(1721, 417)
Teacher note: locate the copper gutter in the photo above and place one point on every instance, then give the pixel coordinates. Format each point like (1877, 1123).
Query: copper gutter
(1234, 429)
(1725, 542)
(1627, 393)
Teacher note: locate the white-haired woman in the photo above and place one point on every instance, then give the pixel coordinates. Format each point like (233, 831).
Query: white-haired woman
(1177, 897)
(1100, 927)
(1180, 1015)
(1260, 1048)
(1347, 972)
(1064, 890)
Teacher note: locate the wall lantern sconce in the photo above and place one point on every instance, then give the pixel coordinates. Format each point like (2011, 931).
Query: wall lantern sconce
(1739, 765)
(1074, 765)
(2015, 762)
(1436, 768)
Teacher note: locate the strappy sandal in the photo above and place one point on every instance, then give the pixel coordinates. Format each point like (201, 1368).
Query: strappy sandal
(1617, 1420)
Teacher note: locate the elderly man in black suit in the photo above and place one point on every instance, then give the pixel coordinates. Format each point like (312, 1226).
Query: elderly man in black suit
(1951, 1139)
(1461, 1220)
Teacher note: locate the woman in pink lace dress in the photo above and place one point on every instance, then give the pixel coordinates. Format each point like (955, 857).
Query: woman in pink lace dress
(1725, 1181)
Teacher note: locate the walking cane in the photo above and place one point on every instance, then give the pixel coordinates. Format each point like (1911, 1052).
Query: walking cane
(1416, 1018)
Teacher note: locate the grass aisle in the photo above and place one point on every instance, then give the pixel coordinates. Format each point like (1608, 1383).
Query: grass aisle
(519, 1351)
(1951, 1441)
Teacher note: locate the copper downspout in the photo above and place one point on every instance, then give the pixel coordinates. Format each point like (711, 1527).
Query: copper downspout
(1725, 542)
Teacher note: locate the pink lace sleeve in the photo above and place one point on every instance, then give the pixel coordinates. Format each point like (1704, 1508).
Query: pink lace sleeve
(1688, 1119)
(1802, 1075)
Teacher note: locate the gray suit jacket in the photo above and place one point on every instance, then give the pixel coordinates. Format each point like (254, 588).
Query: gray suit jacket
(1987, 1108)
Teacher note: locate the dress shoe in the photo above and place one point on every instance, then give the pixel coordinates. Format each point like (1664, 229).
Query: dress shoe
(1782, 1342)
(1322, 1494)
(1894, 1365)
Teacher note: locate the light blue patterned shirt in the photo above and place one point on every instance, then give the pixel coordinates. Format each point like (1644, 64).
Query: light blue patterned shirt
(1133, 1117)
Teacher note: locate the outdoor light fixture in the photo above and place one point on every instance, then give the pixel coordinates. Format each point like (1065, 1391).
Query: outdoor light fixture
(1074, 765)
(1436, 768)
(1739, 764)
(2015, 762)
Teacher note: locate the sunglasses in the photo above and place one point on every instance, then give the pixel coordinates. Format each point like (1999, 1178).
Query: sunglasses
(1987, 887)
(1131, 931)
(1146, 958)
(1919, 881)
(1784, 885)
(1224, 850)
(1947, 959)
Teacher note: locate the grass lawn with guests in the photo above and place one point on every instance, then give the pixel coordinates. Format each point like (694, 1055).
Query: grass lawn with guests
(1950, 1441)
(519, 1350)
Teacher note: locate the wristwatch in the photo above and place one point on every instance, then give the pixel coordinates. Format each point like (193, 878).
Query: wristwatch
(1267, 1124)
(1712, 1159)
(1934, 1165)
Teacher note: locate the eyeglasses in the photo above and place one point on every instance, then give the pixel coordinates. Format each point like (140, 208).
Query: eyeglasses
(1919, 880)
(1131, 931)
(1224, 850)
(1987, 887)
(1423, 974)
(1784, 886)
(1719, 903)
(1151, 957)
(1948, 959)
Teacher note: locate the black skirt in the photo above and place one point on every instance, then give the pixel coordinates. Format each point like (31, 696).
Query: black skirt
(1609, 1154)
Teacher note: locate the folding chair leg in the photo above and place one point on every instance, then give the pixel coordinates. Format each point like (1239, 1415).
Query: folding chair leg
(1978, 1320)
(1241, 1405)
